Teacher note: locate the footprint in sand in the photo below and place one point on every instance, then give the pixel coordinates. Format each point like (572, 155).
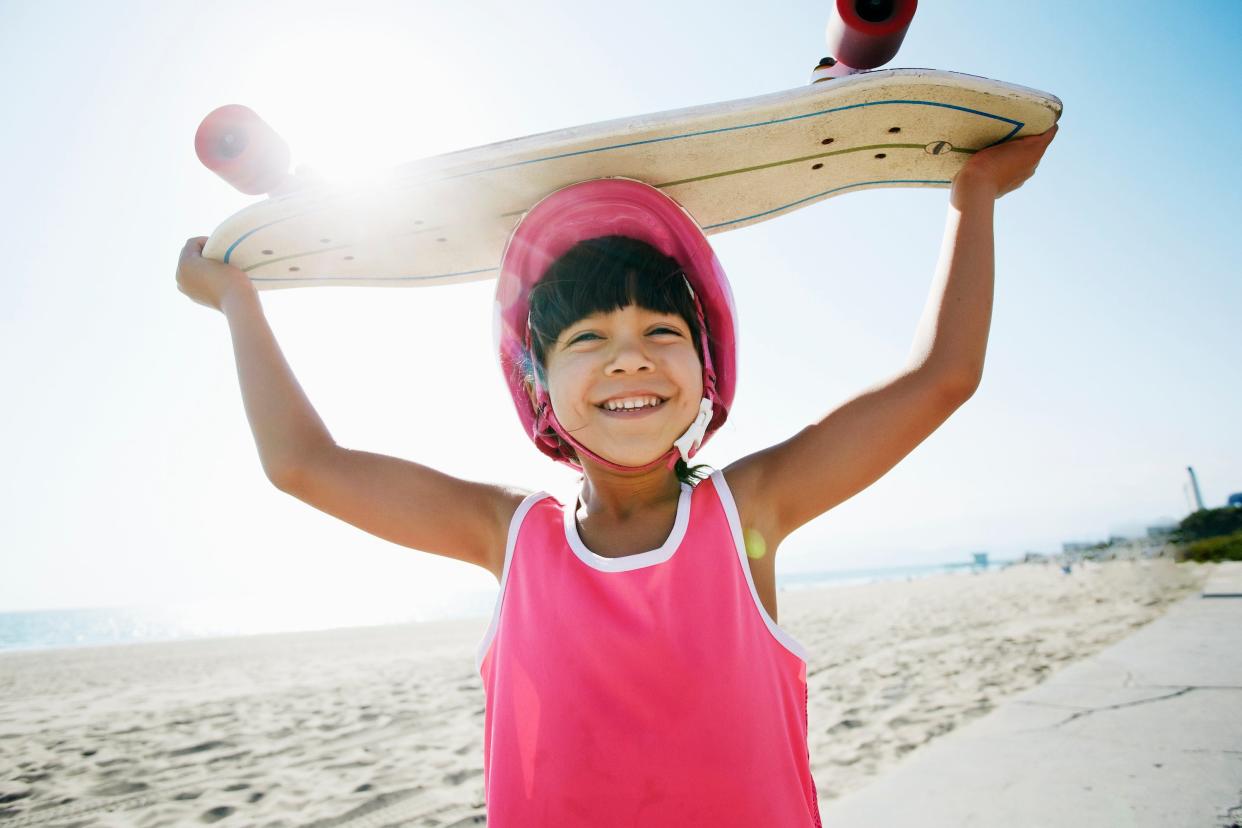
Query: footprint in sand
(902, 721)
(845, 724)
(199, 748)
(461, 776)
(118, 789)
(216, 814)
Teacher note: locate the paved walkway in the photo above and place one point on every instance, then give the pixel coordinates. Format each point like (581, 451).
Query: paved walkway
(1147, 732)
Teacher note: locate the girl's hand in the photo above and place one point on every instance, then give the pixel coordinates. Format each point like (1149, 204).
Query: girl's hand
(207, 281)
(1003, 168)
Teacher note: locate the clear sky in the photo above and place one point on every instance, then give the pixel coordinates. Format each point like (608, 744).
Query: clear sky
(129, 472)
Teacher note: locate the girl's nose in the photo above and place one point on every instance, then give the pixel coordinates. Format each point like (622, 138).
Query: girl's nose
(628, 356)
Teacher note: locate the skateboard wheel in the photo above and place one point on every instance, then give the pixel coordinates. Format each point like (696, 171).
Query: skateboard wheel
(237, 145)
(864, 34)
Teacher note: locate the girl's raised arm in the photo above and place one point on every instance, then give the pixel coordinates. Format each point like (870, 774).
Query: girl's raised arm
(782, 487)
(397, 500)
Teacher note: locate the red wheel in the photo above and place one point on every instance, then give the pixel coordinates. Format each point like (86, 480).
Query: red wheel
(864, 34)
(237, 145)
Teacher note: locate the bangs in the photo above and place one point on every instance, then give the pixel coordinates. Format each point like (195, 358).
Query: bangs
(603, 275)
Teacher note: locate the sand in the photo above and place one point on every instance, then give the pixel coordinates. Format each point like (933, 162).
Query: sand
(383, 725)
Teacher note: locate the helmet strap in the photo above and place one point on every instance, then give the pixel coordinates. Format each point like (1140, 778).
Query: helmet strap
(688, 443)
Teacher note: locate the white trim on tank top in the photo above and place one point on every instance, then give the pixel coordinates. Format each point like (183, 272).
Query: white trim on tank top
(735, 526)
(628, 563)
(515, 523)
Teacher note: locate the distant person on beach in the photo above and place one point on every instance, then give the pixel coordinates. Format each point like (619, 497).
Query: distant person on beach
(634, 670)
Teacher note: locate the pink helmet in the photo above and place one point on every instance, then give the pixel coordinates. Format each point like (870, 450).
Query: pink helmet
(588, 210)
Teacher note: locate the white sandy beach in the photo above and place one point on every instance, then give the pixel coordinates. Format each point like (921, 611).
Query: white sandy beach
(383, 726)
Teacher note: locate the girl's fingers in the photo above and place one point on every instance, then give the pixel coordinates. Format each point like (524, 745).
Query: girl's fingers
(194, 247)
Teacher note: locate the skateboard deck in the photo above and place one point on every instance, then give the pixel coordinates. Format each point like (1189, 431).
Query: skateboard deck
(446, 218)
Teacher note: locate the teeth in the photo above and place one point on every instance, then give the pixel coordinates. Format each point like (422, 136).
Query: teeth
(631, 403)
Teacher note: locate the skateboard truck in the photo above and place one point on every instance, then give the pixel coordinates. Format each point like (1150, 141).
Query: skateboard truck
(862, 35)
(829, 68)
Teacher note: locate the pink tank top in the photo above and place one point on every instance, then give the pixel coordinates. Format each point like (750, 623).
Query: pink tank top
(650, 690)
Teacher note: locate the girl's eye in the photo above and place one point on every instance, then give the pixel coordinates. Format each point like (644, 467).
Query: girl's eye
(587, 336)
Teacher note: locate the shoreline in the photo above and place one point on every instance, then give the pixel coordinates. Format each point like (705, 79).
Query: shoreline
(839, 581)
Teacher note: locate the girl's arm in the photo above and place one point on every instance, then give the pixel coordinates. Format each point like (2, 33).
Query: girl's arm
(782, 487)
(952, 335)
(397, 500)
(284, 423)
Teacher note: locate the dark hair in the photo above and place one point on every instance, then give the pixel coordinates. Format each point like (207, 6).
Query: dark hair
(602, 275)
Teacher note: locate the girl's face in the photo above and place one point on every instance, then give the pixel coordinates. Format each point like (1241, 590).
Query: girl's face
(627, 383)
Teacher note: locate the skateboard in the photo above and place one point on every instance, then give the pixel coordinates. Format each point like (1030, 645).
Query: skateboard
(731, 164)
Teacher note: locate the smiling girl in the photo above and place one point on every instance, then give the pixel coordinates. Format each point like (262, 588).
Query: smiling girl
(634, 670)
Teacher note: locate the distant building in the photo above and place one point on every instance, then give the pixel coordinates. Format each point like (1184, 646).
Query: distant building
(1078, 546)
(1235, 499)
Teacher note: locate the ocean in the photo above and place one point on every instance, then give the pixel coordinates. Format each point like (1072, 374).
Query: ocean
(92, 627)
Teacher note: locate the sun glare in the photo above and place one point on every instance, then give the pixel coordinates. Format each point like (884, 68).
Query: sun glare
(352, 101)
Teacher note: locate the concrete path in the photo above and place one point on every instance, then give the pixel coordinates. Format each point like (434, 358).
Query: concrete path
(1147, 732)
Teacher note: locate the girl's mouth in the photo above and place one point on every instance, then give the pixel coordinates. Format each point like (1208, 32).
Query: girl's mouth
(629, 407)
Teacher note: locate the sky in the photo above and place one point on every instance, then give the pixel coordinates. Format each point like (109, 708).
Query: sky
(130, 476)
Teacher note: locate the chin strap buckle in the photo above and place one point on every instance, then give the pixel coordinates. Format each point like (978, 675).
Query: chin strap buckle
(689, 442)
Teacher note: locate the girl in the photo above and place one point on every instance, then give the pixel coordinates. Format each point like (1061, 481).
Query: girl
(633, 668)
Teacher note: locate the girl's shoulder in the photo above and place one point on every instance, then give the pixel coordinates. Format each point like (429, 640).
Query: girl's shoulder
(511, 504)
(745, 479)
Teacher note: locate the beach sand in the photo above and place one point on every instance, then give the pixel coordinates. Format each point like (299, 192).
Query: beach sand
(384, 725)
